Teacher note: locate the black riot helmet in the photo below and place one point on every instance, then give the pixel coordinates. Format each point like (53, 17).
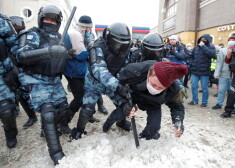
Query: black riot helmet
(18, 23)
(152, 47)
(52, 12)
(117, 37)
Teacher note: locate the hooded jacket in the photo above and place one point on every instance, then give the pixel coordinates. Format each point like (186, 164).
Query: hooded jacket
(201, 57)
(77, 66)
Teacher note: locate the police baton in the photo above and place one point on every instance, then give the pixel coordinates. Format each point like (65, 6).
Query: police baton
(137, 144)
(67, 25)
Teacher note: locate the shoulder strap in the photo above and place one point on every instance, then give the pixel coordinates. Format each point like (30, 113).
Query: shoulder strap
(44, 36)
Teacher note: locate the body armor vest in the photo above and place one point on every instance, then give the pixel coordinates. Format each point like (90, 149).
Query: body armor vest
(53, 65)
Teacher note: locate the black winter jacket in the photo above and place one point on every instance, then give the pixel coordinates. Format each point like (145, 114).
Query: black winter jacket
(202, 57)
(142, 97)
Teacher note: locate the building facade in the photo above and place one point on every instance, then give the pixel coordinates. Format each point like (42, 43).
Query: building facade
(189, 19)
(28, 9)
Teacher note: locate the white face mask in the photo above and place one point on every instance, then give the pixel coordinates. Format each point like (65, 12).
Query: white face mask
(153, 91)
(231, 43)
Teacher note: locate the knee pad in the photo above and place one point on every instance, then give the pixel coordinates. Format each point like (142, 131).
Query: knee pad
(7, 109)
(87, 111)
(48, 113)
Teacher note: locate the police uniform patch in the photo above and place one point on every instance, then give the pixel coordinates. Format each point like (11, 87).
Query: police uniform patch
(29, 37)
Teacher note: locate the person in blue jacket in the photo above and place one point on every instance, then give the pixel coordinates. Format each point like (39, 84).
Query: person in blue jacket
(76, 41)
(200, 68)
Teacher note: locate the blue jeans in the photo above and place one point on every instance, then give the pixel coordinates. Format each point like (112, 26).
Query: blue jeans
(204, 85)
(224, 86)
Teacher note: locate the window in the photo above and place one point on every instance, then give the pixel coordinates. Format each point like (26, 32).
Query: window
(205, 2)
(171, 8)
(169, 24)
(27, 14)
(170, 19)
(212, 39)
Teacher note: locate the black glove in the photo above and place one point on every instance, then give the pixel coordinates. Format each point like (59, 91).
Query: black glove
(75, 134)
(126, 108)
(11, 79)
(71, 53)
(122, 90)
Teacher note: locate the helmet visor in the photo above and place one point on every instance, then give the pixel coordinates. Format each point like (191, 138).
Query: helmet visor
(118, 45)
(53, 16)
(152, 53)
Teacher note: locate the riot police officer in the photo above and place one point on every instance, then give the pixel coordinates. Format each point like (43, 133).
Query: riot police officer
(106, 57)
(18, 23)
(151, 49)
(21, 94)
(43, 62)
(8, 42)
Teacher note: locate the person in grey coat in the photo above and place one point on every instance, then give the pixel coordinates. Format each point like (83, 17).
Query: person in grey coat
(223, 73)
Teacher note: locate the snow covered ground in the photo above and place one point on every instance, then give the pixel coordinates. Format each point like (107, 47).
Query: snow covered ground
(208, 142)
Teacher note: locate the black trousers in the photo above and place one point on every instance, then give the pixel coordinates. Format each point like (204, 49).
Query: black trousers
(76, 85)
(154, 119)
(231, 98)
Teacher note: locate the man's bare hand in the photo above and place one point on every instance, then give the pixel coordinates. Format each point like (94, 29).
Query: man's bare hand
(229, 53)
(132, 113)
(201, 43)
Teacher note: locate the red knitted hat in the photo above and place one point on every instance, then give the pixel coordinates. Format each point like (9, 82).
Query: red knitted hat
(231, 37)
(167, 72)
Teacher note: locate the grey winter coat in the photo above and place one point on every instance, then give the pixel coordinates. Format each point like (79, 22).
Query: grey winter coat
(222, 69)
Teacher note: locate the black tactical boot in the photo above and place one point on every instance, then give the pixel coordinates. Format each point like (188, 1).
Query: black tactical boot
(11, 137)
(65, 128)
(76, 134)
(56, 157)
(30, 122)
(124, 124)
(107, 125)
(148, 137)
(93, 119)
(101, 107)
(226, 115)
(83, 119)
(30, 113)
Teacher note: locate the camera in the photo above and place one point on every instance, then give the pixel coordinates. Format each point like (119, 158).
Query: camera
(169, 48)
